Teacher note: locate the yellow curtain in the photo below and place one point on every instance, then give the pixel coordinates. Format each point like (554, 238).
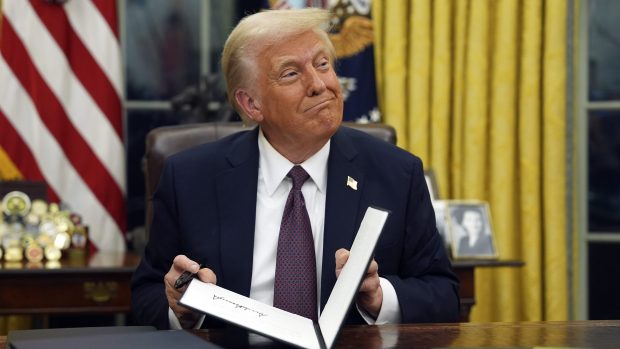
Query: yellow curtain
(477, 89)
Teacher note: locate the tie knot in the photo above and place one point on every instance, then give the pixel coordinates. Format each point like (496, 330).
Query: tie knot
(299, 176)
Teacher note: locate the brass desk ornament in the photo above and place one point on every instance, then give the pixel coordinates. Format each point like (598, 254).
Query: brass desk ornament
(16, 203)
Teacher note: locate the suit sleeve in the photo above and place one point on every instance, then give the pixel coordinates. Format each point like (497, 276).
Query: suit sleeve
(425, 285)
(149, 303)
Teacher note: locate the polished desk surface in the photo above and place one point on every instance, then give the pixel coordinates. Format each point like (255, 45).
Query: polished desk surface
(576, 334)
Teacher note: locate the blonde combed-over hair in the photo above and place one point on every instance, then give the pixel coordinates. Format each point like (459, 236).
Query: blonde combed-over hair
(255, 33)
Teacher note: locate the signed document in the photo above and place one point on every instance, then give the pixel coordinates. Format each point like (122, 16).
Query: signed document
(282, 325)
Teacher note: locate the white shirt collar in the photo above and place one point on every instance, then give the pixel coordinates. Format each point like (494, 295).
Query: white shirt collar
(274, 167)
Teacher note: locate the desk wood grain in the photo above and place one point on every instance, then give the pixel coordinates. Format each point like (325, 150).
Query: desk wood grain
(581, 334)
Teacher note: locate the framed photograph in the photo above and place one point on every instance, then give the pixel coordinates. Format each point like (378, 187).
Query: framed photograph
(469, 223)
(431, 184)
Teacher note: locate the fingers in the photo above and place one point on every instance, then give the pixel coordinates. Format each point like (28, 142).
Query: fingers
(207, 275)
(173, 295)
(371, 282)
(181, 264)
(370, 294)
(342, 256)
(371, 301)
(373, 268)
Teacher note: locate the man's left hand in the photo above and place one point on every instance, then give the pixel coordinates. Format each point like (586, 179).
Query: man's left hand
(370, 296)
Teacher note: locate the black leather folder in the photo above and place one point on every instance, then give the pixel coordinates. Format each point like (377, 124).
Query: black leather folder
(120, 337)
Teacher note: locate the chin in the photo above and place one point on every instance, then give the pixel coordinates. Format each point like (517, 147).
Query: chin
(323, 129)
(331, 123)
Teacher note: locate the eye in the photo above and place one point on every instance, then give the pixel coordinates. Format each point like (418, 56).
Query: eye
(288, 74)
(323, 64)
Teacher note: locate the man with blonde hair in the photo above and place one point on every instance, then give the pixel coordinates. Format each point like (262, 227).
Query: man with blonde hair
(270, 213)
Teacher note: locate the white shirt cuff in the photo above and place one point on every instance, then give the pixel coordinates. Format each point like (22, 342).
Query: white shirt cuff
(176, 325)
(390, 309)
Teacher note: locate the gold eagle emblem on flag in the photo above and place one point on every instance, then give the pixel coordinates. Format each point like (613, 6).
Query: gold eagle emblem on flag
(352, 30)
(356, 34)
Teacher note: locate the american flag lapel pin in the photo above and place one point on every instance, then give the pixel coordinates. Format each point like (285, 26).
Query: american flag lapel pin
(351, 183)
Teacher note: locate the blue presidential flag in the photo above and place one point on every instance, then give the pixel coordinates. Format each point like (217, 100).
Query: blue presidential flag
(352, 35)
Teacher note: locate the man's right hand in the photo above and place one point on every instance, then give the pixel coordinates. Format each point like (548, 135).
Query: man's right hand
(181, 263)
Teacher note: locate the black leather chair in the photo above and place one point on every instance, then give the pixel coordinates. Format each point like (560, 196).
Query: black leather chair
(164, 141)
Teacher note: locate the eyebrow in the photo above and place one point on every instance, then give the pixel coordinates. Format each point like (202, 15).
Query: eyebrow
(291, 60)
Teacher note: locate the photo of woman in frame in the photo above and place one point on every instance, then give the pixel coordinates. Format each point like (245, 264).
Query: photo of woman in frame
(470, 229)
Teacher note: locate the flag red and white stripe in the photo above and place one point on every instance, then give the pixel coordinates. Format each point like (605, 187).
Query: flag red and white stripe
(60, 106)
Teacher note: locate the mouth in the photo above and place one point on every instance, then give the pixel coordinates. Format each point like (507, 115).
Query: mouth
(319, 104)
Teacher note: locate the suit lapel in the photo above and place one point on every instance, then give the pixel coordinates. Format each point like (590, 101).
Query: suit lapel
(236, 202)
(341, 207)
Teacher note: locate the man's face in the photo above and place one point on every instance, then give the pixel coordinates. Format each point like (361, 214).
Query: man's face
(299, 101)
(472, 222)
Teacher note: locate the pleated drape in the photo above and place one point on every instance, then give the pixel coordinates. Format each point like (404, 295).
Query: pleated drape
(477, 89)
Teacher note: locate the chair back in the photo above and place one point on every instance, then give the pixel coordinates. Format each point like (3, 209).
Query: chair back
(164, 141)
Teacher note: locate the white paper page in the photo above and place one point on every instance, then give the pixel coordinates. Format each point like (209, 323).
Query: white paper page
(251, 314)
(351, 274)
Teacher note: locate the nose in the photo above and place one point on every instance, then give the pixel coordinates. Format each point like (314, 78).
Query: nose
(315, 83)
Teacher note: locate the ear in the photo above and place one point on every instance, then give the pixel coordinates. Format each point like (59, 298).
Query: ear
(250, 105)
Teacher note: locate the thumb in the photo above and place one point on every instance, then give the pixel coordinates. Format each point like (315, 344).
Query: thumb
(342, 256)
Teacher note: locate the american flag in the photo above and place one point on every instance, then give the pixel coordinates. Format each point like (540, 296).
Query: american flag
(60, 107)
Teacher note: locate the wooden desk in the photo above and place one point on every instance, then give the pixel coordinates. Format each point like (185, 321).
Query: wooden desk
(465, 271)
(583, 334)
(98, 284)
(586, 334)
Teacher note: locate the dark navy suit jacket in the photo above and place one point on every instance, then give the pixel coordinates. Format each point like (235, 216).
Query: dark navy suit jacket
(205, 208)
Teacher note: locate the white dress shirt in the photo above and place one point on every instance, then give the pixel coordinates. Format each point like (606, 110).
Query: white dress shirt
(272, 192)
